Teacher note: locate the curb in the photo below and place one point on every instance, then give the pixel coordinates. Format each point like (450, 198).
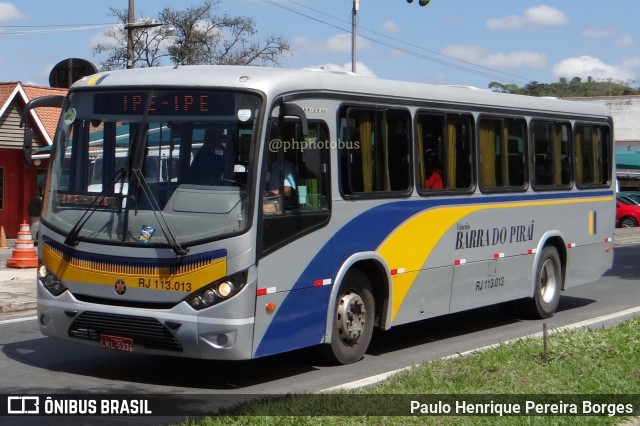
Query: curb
(18, 307)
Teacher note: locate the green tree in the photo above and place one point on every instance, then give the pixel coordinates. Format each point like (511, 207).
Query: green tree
(192, 36)
(564, 88)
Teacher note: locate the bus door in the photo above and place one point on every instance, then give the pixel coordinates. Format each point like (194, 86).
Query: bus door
(294, 209)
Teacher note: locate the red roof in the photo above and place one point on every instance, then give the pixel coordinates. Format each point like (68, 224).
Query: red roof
(47, 118)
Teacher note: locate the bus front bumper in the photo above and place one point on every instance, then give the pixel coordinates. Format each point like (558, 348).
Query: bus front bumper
(179, 331)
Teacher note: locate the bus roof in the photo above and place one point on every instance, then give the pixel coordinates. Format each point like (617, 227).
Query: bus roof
(277, 81)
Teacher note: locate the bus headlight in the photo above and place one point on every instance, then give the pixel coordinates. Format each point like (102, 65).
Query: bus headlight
(224, 289)
(51, 282)
(218, 291)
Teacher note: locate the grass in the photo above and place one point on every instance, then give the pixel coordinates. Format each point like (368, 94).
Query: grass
(598, 365)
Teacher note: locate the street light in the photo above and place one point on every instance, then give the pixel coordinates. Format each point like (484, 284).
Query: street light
(130, 28)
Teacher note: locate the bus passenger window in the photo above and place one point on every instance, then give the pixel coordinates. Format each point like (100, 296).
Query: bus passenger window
(375, 156)
(551, 154)
(444, 148)
(503, 153)
(593, 158)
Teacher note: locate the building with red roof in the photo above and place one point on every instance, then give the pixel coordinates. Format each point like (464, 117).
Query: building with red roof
(20, 183)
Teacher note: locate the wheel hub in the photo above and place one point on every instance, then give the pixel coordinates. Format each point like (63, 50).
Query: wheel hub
(351, 317)
(548, 281)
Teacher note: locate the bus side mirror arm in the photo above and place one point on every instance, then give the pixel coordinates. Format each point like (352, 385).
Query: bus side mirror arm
(55, 101)
(289, 109)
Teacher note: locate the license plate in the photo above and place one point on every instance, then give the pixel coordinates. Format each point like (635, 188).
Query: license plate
(116, 343)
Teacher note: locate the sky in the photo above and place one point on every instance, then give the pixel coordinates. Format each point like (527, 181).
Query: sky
(453, 42)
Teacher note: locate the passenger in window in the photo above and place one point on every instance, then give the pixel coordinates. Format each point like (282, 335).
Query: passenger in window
(434, 178)
(289, 178)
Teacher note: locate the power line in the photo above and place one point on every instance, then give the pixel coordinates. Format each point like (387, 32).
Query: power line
(462, 65)
(46, 30)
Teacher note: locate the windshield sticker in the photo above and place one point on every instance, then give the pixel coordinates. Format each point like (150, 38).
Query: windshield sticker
(70, 116)
(146, 233)
(244, 114)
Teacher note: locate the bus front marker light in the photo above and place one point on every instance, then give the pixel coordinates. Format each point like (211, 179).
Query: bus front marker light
(222, 340)
(44, 319)
(209, 297)
(57, 287)
(225, 289)
(196, 302)
(42, 271)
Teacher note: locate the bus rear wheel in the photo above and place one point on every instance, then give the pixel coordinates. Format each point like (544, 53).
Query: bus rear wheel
(352, 319)
(548, 284)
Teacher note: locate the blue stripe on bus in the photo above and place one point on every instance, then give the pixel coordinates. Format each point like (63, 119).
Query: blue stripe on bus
(300, 320)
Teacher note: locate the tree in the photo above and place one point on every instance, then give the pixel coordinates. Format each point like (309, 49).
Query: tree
(149, 44)
(191, 36)
(564, 88)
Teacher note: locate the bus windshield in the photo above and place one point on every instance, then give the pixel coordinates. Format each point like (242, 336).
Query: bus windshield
(152, 166)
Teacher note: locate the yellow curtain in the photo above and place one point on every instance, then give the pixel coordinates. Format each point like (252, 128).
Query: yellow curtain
(385, 154)
(504, 157)
(487, 155)
(595, 152)
(451, 156)
(556, 152)
(579, 159)
(365, 151)
(421, 171)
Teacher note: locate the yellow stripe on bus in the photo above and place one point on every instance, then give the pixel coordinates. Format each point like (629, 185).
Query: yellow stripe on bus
(159, 279)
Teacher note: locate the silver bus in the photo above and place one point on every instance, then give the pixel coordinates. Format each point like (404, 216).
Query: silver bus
(308, 207)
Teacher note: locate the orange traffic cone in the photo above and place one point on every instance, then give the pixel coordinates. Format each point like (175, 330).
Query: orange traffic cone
(24, 253)
(3, 238)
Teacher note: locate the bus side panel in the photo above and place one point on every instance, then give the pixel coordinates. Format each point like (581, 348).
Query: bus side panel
(292, 329)
(591, 243)
(297, 280)
(599, 262)
(492, 281)
(306, 270)
(428, 297)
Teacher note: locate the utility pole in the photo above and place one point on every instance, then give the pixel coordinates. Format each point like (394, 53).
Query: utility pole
(132, 26)
(354, 27)
(130, 20)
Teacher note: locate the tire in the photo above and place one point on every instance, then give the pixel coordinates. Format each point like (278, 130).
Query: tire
(628, 222)
(352, 319)
(548, 284)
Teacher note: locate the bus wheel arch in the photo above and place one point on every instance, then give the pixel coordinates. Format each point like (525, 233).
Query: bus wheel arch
(357, 308)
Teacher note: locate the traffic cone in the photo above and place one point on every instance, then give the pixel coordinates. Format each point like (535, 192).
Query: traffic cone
(3, 238)
(24, 253)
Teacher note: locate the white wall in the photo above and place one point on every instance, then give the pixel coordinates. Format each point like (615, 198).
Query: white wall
(626, 118)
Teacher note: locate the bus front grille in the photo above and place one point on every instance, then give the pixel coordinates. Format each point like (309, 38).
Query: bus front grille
(148, 332)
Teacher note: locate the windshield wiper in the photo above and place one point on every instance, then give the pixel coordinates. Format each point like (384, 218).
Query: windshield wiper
(72, 238)
(157, 211)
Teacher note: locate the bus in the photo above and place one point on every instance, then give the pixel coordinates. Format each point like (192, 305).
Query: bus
(299, 212)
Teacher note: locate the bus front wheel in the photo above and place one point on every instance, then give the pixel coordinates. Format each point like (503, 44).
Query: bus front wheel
(548, 284)
(352, 319)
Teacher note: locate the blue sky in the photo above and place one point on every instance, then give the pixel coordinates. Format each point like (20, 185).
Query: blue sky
(462, 42)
